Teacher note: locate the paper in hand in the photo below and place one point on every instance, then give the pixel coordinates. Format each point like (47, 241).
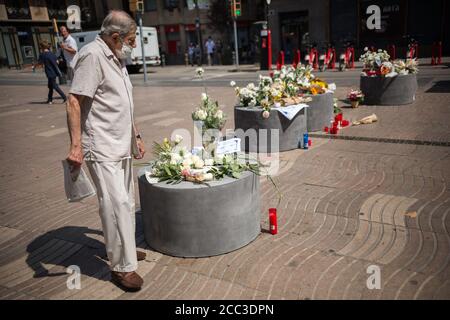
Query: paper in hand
(76, 183)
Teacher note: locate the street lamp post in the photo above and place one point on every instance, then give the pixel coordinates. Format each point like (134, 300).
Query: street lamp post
(144, 62)
(199, 31)
(267, 15)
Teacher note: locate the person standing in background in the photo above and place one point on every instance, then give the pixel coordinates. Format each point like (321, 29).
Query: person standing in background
(219, 51)
(198, 55)
(210, 46)
(191, 51)
(48, 60)
(69, 50)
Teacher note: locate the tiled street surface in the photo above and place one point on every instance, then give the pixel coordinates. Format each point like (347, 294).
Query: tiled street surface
(347, 204)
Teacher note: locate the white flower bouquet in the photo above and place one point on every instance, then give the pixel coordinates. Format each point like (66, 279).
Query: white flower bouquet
(377, 63)
(286, 87)
(410, 66)
(209, 113)
(174, 164)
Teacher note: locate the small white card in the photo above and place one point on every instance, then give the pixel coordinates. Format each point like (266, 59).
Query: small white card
(228, 146)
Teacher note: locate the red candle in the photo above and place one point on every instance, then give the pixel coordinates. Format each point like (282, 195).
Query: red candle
(345, 123)
(335, 124)
(338, 117)
(325, 129)
(309, 143)
(334, 130)
(273, 220)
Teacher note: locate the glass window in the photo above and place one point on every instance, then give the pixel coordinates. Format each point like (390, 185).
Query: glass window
(150, 5)
(57, 9)
(18, 9)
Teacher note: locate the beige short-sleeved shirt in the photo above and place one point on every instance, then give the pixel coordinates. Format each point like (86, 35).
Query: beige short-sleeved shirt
(107, 112)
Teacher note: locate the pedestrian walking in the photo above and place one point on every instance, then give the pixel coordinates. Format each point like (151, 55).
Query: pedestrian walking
(69, 49)
(103, 133)
(48, 60)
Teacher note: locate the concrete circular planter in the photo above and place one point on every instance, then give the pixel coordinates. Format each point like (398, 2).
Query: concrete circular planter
(257, 132)
(194, 220)
(389, 91)
(320, 111)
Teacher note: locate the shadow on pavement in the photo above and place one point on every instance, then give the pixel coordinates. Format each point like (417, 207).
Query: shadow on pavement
(89, 256)
(440, 87)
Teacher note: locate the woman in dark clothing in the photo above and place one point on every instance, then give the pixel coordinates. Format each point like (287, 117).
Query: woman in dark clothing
(48, 60)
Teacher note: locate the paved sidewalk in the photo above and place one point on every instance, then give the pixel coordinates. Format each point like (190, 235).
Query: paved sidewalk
(347, 205)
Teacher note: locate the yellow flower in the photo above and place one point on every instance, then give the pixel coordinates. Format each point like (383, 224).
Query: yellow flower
(319, 82)
(314, 90)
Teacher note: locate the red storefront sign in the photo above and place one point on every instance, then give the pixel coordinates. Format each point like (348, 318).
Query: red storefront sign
(172, 28)
(190, 27)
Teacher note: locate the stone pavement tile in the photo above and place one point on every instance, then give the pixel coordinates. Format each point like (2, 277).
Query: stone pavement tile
(429, 216)
(6, 234)
(324, 244)
(434, 287)
(17, 247)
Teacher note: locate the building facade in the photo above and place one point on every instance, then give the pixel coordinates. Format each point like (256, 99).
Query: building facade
(297, 23)
(180, 23)
(23, 23)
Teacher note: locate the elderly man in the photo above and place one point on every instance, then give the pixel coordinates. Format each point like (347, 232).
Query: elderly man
(69, 49)
(102, 132)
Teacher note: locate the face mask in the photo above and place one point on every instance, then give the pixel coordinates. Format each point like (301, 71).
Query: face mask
(126, 50)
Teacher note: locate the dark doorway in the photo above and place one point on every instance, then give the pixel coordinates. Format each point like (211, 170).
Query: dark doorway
(294, 33)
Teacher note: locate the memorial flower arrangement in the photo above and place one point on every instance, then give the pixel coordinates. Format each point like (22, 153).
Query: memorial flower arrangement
(377, 63)
(355, 95)
(209, 113)
(410, 66)
(174, 163)
(285, 87)
(300, 80)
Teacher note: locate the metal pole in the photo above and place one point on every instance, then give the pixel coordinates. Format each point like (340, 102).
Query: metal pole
(236, 50)
(141, 35)
(199, 30)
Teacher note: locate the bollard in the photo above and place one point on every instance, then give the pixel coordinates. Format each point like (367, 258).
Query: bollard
(352, 50)
(315, 60)
(332, 63)
(296, 59)
(436, 53)
(280, 60)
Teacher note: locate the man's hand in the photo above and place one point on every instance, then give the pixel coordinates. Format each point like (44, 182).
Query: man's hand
(141, 147)
(75, 156)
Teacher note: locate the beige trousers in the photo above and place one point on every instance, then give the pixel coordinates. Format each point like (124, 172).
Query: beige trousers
(115, 190)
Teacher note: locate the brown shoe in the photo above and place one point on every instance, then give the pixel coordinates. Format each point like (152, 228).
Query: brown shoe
(128, 281)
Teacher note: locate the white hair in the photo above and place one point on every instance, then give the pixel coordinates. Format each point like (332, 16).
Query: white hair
(118, 21)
